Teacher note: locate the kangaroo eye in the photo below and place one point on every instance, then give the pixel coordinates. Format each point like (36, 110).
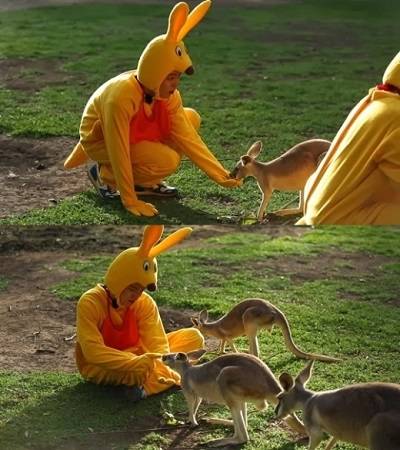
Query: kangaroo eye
(178, 51)
(146, 266)
(155, 267)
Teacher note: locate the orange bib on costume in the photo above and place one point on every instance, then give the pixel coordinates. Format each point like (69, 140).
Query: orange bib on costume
(154, 128)
(120, 338)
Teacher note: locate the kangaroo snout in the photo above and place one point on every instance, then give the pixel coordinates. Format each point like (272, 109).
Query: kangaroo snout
(152, 287)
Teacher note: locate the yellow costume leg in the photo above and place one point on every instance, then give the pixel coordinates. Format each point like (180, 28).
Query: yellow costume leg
(185, 340)
(152, 162)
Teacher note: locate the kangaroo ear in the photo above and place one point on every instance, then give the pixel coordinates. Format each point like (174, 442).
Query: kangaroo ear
(303, 377)
(194, 18)
(170, 241)
(203, 316)
(286, 381)
(246, 159)
(255, 149)
(181, 356)
(151, 235)
(196, 354)
(177, 20)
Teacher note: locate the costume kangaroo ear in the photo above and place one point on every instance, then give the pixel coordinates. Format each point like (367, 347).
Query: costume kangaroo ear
(194, 18)
(255, 149)
(151, 235)
(169, 241)
(177, 20)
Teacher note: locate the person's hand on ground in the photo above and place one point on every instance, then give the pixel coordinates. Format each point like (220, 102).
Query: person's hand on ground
(141, 208)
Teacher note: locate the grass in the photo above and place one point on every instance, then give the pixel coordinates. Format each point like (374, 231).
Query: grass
(281, 74)
(336, 303)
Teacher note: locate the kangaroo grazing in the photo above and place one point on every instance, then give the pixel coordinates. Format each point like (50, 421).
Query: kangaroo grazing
(225, 381)
(245, 319)
(288, 172)
(367, 414)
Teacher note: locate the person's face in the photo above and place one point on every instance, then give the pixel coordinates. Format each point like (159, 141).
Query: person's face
(130, 294)
(169, 85)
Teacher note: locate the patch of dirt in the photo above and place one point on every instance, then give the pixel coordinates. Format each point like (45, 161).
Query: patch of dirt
(32, 75)
(332, 264)
(32, 173)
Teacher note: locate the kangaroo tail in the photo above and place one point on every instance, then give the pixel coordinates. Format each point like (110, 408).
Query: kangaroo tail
(76, 158)
(291, 346)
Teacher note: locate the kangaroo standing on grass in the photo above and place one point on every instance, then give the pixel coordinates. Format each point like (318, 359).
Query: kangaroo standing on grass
(288, 172)
(226, 381)
(366, 414)
(245, 319)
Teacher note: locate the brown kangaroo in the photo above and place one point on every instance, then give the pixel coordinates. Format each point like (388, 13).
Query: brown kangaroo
(245, 319)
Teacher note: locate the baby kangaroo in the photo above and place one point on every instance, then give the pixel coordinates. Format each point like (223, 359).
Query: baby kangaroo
(245, 319)
(366, 414)
(225, 381)
(288, 172)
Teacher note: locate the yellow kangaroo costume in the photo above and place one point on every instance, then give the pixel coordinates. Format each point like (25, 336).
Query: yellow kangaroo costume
(358, 182)
(121, 345)
(139, 138)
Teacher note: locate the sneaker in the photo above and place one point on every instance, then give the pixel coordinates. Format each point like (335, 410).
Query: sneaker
(105, 192)
(134, 393)
(159, 190)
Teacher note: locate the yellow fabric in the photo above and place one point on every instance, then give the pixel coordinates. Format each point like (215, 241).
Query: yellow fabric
(358, 182)
(104, 365)
(105, 137)
(152, 162)
(138, 264)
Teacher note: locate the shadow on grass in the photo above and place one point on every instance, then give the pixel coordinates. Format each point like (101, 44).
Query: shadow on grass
(171, 211)
(81, 416)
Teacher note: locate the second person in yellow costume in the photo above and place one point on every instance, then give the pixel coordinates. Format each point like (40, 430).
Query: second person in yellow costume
(120, 336)
(358, 181)
(136, 128)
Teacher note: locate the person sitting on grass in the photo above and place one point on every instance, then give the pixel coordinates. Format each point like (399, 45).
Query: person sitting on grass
(358, 181)
(120, 336)
(136, 129)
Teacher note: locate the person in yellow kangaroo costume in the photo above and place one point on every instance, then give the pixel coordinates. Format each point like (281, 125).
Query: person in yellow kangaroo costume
(136, 127)
(120, 336)
(358, 181)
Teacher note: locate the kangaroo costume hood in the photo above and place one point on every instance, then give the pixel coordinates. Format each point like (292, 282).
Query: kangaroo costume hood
(358, 181)
(138, 264)
(167, 53)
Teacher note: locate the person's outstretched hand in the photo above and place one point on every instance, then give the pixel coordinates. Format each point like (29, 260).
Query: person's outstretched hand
(229, 182)
(141, 208)
(143, 365)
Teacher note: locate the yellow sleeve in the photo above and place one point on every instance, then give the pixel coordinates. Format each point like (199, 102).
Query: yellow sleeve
(389, 157)
(117, 113)
(187, 140)
(89, 317)
(151, 330)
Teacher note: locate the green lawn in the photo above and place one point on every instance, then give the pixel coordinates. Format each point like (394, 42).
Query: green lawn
(338, 287)
(281, 74)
